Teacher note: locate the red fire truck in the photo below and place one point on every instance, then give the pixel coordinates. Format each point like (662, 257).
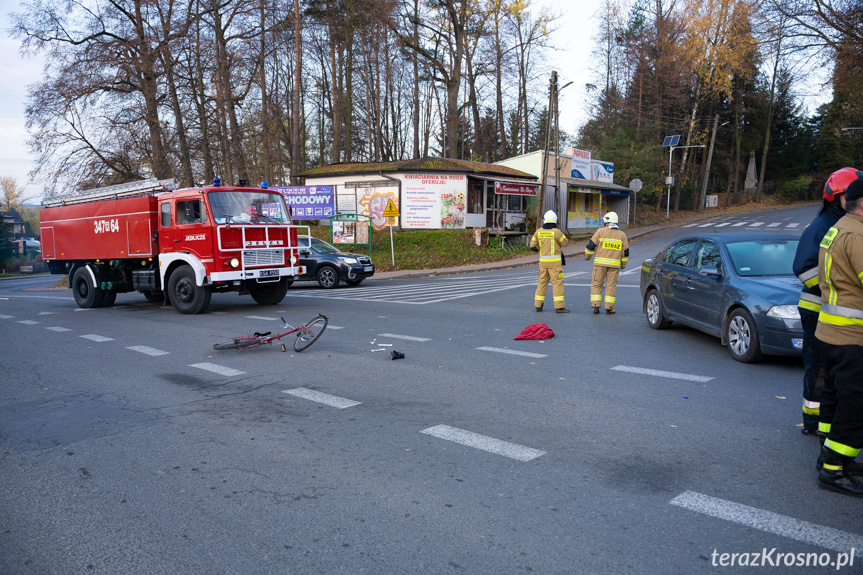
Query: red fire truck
(176, 246)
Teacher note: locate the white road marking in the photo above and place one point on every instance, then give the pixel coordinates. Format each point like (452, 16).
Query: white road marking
(57, 328)
(483, 442)
(320, 397)
(632, 271)
(220, 369)
(770, 522)
(691, 225)
(262, 317)
(707, 225)
(407, 337)
(47, 312)
(331, 326)
(28, 322)
(738, 224)
(83, 309)
(756, 224)
(152, 351)
(3, 316)
(774, 225)
(618, 285)
(794, 225)
(94, 337)
(722, 225)
(658, 373)
(511, 351)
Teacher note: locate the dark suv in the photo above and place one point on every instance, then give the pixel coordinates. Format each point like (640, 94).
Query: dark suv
(328, 265)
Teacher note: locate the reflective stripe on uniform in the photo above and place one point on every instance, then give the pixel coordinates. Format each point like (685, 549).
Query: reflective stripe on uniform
(809, 277)
(595, 297)
(832, 314)
(608, 262)
(558, 298)
(610, 299)
(539, 297)
(811, 407)
(841, 448)
(824, 427)
(549, 258)
(828, 261)
(810, 301)
(589, 252)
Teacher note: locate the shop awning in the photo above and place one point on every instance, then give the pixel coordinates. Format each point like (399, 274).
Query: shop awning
(594, 186)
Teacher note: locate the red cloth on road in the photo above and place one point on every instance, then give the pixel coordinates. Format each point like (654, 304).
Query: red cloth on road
(536, 331)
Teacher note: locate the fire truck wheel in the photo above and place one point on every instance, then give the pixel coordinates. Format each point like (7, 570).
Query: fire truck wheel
(269, 293)
(109, 299)
(86, 296)
(185, 295)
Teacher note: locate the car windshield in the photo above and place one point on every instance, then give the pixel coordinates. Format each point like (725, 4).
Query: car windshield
(763, 257)
(323, 247)
(248, 207)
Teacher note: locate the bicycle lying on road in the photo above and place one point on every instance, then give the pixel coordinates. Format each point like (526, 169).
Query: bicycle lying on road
(307, 334)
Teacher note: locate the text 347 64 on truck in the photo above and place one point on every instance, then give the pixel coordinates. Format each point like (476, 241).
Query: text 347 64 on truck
(171, 245)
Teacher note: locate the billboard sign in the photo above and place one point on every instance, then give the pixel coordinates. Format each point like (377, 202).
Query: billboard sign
(602, 171)
(309, 202)
(516, 189)
(581, 164)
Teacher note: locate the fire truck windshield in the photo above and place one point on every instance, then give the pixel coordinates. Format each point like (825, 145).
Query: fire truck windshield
(245, 207)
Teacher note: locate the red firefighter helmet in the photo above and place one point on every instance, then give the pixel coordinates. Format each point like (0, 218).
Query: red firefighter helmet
(839, 181)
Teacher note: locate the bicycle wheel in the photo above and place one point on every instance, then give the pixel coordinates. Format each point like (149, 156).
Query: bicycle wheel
(239, 343)
(310, 332)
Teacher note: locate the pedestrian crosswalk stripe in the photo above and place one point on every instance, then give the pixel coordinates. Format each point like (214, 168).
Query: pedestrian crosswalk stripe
(28, 322)
(320, 397)
(220, 369)
(774, 225)
(659, 373)
(405, 337)
(771, 522)
(483, 442)
(756, 224)
(151, 351)
(511, 351)
(738, 224)
(94, 337)
(57, 328)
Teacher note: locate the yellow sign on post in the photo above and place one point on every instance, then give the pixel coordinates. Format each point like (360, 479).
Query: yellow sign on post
(391, 212)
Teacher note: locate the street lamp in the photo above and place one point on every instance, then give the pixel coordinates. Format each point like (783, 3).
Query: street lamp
(670, 178)
(556, 150)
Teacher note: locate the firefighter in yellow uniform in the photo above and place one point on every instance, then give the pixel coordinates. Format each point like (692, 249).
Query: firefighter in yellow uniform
(549, 242)
(610, 252)
(840, 337)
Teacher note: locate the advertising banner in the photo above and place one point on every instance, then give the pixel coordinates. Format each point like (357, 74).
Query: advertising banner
(603, 171)
(581, 164)
(516, 189)
(309, 202)
(433, 201)
(373, 202)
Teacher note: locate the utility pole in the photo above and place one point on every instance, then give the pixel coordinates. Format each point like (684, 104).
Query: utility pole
(709, 158)
(552, 89)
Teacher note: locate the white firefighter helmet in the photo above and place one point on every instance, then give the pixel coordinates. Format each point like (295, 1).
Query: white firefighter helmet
(610, 218)
(550, 217)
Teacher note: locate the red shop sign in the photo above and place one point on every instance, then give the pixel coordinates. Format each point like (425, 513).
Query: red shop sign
(516, 189)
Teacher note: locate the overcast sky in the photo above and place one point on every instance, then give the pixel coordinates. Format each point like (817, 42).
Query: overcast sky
(570, 59)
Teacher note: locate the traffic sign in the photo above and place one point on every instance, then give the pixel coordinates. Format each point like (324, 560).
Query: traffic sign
(391, 211)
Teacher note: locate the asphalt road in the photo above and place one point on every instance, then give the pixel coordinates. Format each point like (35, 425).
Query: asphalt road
(127, 445)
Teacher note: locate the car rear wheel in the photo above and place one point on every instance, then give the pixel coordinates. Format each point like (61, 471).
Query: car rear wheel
(742, 337)
(328, 277)
(654, 311)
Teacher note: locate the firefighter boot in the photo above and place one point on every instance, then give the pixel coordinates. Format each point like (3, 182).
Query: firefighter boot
(561, 310)
(596, 310)
(849, 464)
(539, 308)
(834, 477)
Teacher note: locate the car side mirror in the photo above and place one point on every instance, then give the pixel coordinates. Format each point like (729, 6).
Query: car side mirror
(712, 271)
(305, 252)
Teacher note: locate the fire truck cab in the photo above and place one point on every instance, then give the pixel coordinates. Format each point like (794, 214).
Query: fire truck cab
(176, 246)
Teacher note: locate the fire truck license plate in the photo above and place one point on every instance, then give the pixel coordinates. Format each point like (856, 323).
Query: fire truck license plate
(268, 273)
